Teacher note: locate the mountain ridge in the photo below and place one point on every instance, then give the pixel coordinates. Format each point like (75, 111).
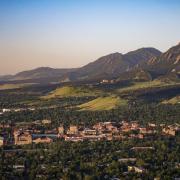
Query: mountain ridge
(148, 63)
(110, 66)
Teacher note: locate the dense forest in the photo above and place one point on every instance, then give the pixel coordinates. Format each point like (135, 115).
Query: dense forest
(90, 160)
(94, 160)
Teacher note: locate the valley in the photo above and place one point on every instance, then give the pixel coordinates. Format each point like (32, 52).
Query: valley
(114, 123)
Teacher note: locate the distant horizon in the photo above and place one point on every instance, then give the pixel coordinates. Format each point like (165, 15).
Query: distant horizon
(83, 64)
(71, 34)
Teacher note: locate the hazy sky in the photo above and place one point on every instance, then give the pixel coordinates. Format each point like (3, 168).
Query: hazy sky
(71, 33)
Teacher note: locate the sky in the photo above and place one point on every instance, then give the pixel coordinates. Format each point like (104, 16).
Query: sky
(72, 33)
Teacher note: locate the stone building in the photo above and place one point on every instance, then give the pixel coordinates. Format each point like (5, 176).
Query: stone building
(73, 130)
(61, 130)
(42, 140)
(21, 138)
(1, 141)
(172, 130)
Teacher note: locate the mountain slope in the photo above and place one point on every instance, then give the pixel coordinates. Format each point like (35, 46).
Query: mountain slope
(6, 77)
(112, 65)
(174, 100)
(136, 73)
(141, 55)
(103, 103)
(42, 72)
(165, 67)
(72, 91)
(167, 63)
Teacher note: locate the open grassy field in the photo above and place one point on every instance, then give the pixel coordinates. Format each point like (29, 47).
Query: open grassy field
(14, 86)
(70, 91)
(174, 100)
(144, 85)
(103, 103)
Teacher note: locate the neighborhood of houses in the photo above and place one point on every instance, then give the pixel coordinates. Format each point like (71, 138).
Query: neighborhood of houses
(22, 134)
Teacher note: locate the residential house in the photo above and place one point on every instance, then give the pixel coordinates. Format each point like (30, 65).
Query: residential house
(172, 129)
(5, 125)
(104, 81)
(18, 168)
(152, 125)
(99, 126)
(43, 140)
(136, 169)
(143, 148)
(126, 127)
(73, 138)
(110, 126)
(147, 131)
(73, 130)
(93, 137)
(125, 160)
(6, 110)
(134, 125)
(138, 136)
(119, 137)
(88, 131)
(61, 130)
(51, 131)
(46, 121)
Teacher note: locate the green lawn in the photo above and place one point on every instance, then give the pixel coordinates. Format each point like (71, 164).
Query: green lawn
(144, 85)
(174, 100)
(70, 91)
(103, 103)
(14, 86)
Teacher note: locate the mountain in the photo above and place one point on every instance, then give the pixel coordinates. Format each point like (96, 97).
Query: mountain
(136, 73)
(109, 66)
(42, 72)
(38, 73)
(6, 77)
(166, 65)
(141, 56)
(112, 65)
